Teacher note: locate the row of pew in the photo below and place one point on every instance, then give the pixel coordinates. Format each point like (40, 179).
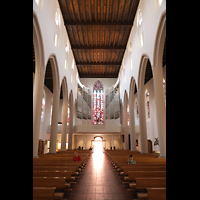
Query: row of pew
(54, 174)
(147, 177)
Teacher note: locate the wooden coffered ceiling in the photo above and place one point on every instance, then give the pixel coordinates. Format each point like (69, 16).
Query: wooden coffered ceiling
(98, 31)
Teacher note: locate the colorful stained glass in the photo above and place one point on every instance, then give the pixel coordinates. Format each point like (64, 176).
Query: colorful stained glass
(98, 116)
(128, 121)
(148, 104)
(68, 116)
(43, 105)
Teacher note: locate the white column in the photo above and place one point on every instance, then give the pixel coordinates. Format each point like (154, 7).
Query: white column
(64, 126)
(83, 141)
(126, 147)
(132, 125)
(112, 142)
(142, 118)
(54, 123)
(70, 127)
(160, 110)
(37, 104)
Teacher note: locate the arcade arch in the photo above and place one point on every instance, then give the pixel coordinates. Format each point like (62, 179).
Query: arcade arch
(38, 82)
(52, 82)
(159, 55)
(132, 91)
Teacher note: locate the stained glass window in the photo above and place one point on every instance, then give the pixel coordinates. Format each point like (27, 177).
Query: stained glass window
(68, 113)
(128, 121)
(43, 105)
(164, 87)
(148, 104)
(98, 116)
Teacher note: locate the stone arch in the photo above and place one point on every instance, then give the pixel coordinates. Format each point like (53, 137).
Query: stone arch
(38, 82)
(56, 99)
(141, 102)
(158, 83)
(38, 46)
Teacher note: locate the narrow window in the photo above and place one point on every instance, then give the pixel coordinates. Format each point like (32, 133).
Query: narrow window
(98, 116)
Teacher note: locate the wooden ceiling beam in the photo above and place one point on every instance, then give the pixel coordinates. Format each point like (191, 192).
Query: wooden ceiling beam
(123, 12)
(77, 23)
(97, 64)
(73, 12)
(98, 76)
(99, 47)
(90, 10)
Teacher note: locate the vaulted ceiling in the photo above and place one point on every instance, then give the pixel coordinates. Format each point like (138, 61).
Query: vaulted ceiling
(98, 31)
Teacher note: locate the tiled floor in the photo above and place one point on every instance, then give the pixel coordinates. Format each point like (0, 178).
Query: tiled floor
(99, 181)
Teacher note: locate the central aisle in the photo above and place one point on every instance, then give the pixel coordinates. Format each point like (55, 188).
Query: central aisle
(99, 181)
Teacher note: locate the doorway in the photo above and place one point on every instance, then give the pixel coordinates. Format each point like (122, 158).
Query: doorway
(98, 144)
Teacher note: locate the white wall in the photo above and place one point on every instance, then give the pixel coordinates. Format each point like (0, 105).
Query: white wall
(45, 13)
(118, 141)
(151, 14)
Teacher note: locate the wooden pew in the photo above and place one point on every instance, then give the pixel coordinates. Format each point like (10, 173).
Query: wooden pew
(156, 193)
(140, 160)
(51, 171)
(133, 174)
(148, 174)
(44, 193)
(136, 167)
(67, 174)
(144, 182)
(76, 168)
(58, 182)
(57, 168)
(152, 194)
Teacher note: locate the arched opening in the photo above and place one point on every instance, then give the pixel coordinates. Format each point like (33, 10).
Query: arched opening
(132, 117)
(51, 81)
(97, 145)
(147, 78)
(38, 81)
(145, 74)
(160, 75)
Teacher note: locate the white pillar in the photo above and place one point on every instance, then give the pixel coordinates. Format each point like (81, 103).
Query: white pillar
(70, 126)
(37, 104)
(160, 110)
(64, 126)
(142, 118)
(126, 146)
(132, 125)
(112, 142)
(54, 123)
(83, 141)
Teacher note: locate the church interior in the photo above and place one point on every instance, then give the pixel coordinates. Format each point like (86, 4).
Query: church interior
(99, 89)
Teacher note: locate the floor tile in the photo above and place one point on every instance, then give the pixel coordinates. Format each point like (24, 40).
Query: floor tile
(98, 182)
